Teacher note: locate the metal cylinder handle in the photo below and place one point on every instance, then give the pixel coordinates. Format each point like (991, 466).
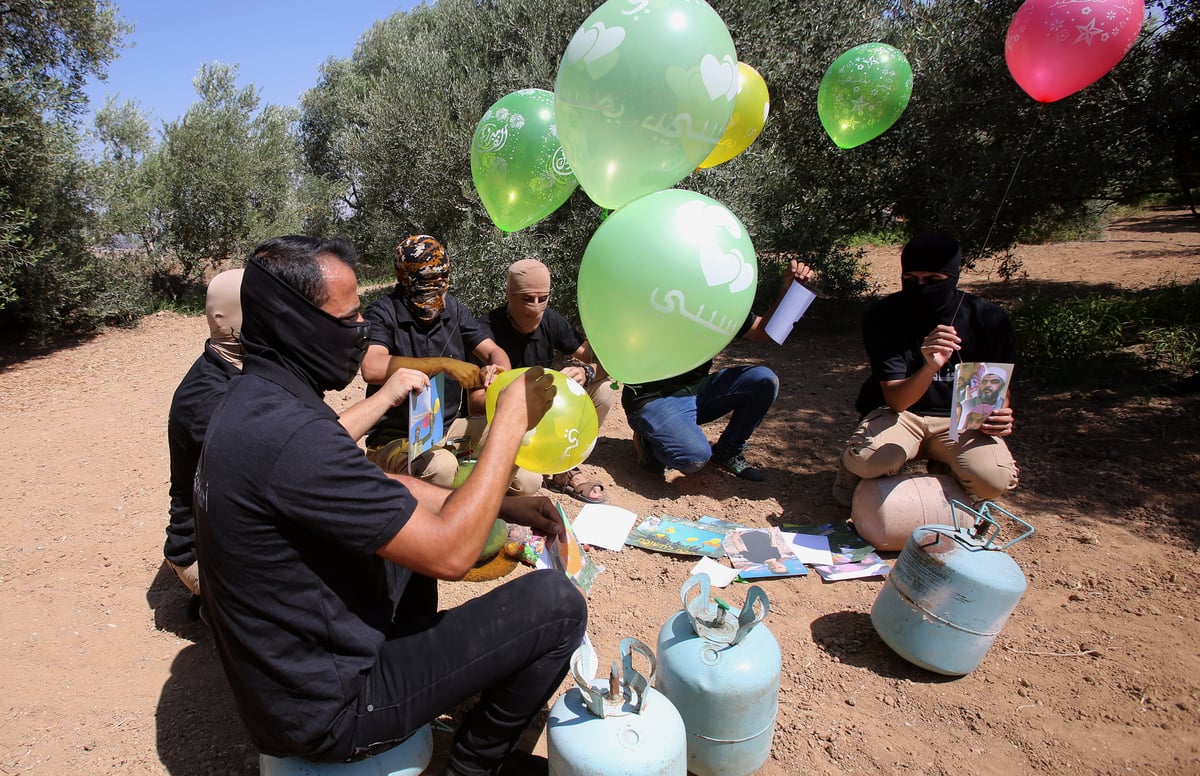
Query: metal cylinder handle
(985, 524)
(635, 680)
(701, 605)
(633, 685)
(748, 618)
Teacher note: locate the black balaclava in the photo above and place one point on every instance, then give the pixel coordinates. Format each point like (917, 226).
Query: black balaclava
(280, 324)
(932, 302)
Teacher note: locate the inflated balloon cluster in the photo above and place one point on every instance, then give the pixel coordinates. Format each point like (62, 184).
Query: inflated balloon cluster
(647, 93)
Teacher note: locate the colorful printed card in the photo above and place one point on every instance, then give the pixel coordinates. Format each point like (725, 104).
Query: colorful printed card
(762, 552)
(567, 555)
(424, 420)
(678, 537)
(979, 389)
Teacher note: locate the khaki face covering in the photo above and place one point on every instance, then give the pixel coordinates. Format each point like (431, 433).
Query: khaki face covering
(223, 309)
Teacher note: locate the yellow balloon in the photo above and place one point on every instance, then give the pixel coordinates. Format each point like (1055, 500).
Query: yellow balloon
(564, 437)
(750, 110)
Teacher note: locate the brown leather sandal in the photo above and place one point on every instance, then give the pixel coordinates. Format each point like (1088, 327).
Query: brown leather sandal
(575, 484)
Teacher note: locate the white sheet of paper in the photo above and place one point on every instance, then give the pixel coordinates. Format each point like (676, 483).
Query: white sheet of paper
(603, 525)
(793, 305)
(810, 549)
(718, 573)
(589, 666)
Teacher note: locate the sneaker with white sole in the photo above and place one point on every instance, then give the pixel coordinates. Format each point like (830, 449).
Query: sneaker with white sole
(737, 465)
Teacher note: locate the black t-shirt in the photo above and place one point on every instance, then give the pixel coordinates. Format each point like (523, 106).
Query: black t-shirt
(553, 335)
(198, 394)
(453, 334)
(289, 515)
(893, 341)
(637, 395)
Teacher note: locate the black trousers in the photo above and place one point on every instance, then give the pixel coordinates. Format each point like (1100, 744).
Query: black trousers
(512, 645)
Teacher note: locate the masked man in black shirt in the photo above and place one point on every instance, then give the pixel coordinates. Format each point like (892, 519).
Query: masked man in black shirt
(320, 569)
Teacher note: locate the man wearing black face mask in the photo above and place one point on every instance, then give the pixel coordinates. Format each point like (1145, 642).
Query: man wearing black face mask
(914, 339)
(320, 569)
(421, 326)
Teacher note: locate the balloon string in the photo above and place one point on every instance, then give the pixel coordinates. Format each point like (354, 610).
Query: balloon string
(987, 238)
(1025, 145)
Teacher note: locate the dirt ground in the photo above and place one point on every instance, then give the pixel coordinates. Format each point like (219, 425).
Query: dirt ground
(1097, 671)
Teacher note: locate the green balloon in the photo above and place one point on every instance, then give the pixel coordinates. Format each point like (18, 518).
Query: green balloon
(863, 92)
(517, 163)
(643, 94)
(665, 283)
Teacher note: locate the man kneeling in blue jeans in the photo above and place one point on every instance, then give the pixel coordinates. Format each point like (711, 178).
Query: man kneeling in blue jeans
(666, 415)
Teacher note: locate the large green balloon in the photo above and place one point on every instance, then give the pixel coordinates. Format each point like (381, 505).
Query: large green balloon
(517, 163)
(644, 91)
(665, 283)
(863, 92)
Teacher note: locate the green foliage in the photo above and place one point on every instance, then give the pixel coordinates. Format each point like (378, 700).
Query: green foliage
(223, 178)
(1154, 329)
(47, 52)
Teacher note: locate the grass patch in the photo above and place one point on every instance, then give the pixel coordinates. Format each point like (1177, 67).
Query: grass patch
(1153, 330)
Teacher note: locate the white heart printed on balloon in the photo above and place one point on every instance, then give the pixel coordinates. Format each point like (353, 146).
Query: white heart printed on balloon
(721, 267)
(720, 77)
(593, 43)
(698, 218)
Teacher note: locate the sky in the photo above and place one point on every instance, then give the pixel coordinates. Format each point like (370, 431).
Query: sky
(278, 47)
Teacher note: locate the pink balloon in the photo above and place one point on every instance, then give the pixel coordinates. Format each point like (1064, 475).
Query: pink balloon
(1057, 47)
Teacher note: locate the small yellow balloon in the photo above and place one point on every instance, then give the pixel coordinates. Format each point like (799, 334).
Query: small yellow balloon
(564, 437)
(750, 109)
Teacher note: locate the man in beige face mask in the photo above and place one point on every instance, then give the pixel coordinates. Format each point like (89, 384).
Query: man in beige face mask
(198, 394)
(531, 333)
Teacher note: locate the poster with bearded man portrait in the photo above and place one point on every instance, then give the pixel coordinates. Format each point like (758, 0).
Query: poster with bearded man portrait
(979, 388)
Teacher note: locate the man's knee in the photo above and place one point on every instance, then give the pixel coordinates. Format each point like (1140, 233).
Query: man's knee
(524, 483)
(870, 462)
(763, 382)
(691, 459)
(989, 482)
(438, 467)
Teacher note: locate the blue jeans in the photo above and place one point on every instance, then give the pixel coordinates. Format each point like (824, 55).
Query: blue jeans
(670, 426)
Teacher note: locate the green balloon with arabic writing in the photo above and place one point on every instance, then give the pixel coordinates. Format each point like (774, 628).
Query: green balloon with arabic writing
(517, 163)
(644, 91)
(665, 283)
(863, 93)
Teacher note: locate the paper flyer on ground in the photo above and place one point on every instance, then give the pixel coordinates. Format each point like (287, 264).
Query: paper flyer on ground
(603, 525)
(845, 545)
(870, 566)
(762, 552)
(718, 573)
(678, 536)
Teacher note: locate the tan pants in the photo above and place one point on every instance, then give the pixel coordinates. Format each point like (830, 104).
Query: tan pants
(603, 396)
(439, 466)
(886, 440)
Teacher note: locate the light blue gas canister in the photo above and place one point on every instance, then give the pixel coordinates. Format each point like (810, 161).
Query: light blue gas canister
(951, 590)
(617, 726)
(721, 667)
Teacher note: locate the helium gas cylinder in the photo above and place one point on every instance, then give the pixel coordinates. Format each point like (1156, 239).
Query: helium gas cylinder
(621, 726)
(951, 591)
(408, 758)
(721, 669)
